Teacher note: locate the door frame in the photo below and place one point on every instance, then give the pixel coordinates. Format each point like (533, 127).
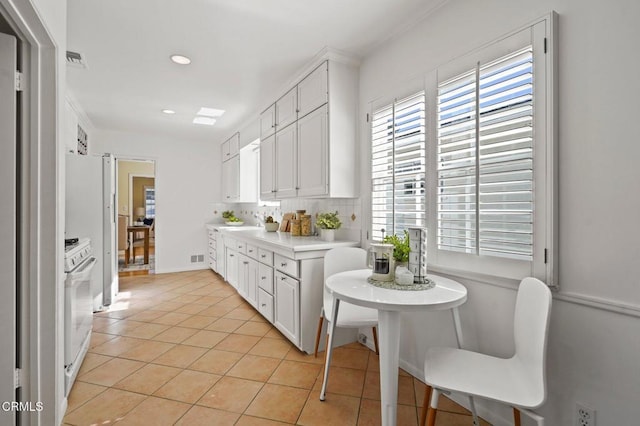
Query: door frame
(41, 214)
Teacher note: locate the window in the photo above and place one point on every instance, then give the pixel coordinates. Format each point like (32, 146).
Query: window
(149, 202)
(398, 166)
(485, 159)
(472, 159)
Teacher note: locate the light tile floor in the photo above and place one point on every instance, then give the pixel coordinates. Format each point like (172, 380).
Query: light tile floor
(186, 349)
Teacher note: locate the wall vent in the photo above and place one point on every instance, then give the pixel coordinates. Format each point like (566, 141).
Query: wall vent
(76, 59)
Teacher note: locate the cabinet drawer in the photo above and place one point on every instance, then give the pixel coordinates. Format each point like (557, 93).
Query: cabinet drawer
(265, 256)
(265, 304)
(241, 247)
(212, 253)
(265, 278)
(212, 234)
(286, 265)
(252, 251)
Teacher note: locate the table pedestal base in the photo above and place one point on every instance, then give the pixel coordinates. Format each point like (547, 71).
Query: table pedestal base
(389, 345)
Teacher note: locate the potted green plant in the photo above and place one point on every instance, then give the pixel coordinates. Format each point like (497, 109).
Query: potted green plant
(328, 223)
(401, 247)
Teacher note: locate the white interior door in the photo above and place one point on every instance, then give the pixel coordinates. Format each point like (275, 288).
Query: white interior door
(8, 218)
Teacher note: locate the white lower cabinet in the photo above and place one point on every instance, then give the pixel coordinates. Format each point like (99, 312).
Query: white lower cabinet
(287, 306)
(283, 284)
(231, 267)
(248, 279)
(265, 304)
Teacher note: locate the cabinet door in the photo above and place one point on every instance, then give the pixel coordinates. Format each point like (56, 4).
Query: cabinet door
(313, 90)
(221, 259)
(226, 150)
(232, 268)
(268, 122)
(287, 109)
(267, 168)
(287, 306)
(243, 275)
(313, 147)
(286, 162)
(231, 178)
(234, 144)
(252, 283)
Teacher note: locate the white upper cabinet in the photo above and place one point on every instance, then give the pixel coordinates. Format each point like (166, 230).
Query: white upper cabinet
(267, 168)
(268, 122)
(318, 157)
(231, 179)
(230, 147)
(313, 90)
(287, 109)
(239, 172)
(286, 164)
(312, 153)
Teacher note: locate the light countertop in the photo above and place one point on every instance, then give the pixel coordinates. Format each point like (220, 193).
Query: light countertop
(281, 240)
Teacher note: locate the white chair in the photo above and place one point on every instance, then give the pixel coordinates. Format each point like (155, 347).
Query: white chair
(519, 381)
(349, 316)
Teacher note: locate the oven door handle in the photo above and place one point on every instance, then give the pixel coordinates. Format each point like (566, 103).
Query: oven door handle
(83, 272)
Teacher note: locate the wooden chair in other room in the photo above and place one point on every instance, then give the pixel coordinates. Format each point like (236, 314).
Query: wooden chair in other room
(519, 381)
(123, 241)
(343, 259)
(138, 241)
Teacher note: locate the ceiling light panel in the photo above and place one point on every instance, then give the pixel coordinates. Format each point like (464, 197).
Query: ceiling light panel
(204, 120)
(210, 112)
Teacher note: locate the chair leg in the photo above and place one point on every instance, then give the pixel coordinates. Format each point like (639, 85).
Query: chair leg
(375, 339)
(425, 405)
(315, 352)
(516, 417)
(433, 408)
(126, 256)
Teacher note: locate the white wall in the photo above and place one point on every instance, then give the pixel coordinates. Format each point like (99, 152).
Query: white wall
(592, 350)
(187, 188)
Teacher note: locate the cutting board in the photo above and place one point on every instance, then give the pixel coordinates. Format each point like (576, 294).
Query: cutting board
(286, 222)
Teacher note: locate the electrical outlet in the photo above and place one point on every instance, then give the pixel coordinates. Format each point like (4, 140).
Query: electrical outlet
(585, 416)
(362, 338)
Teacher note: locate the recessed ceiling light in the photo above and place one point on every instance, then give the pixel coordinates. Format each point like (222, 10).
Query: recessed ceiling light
(204, 120)
(210, 112)
(168, 111)
(180, 59)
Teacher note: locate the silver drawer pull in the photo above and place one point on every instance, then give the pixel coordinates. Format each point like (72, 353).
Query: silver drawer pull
(250, 251)
(263, 256)
(283, 278)
(263, 278)
(264, 305)
(245, 263)
(230, 255)
(283, 264)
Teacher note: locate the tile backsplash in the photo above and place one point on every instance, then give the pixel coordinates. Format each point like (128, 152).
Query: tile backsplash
(349, 211)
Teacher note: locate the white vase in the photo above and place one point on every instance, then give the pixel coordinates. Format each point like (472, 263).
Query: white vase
(327, 234)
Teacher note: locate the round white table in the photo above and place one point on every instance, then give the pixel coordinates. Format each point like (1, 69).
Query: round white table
(352, 287)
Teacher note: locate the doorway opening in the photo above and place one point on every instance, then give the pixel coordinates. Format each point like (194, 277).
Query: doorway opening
(136, 206)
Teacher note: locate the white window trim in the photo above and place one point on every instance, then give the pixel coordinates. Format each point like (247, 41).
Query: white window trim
(505, 271)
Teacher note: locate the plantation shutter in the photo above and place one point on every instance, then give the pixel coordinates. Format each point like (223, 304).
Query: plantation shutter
(398, 166)
(485, 159)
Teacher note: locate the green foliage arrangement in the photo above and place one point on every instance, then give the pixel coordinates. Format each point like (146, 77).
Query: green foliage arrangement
(401, 246)
(230, 216)
(328, 221)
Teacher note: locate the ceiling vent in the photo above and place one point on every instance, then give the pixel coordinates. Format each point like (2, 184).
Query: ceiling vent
(76, 59)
